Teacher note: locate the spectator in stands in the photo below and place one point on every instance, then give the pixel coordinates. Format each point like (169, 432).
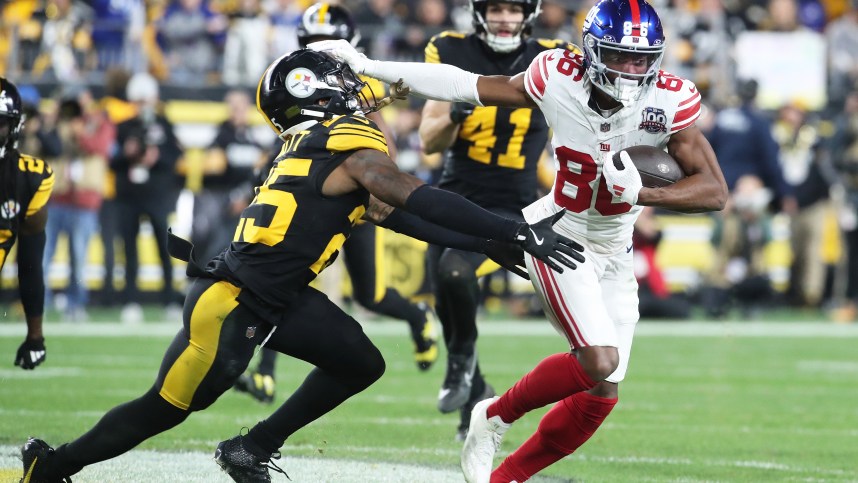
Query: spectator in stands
(245, 54)
(742, 139)
(655, 299)
(801, 162)
(117, 31)
(86, 137)
(146, 184)
(842, 39)
(118, 110)
(285, 15)
(191, 35)
(739, 274)
(65, 39)
(228, 172)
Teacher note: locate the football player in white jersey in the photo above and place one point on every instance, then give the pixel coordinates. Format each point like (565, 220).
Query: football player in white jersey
(613, 97)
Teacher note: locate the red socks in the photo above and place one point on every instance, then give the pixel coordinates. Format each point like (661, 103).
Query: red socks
(567, 426)
(554, 378)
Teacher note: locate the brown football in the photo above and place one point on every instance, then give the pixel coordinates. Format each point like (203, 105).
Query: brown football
(657, 168)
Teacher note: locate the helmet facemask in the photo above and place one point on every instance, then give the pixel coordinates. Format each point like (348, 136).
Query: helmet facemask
(624, 87)
(502, 44)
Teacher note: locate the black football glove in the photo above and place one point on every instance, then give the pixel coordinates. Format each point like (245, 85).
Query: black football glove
(459, 111)
(31, 353)
(507, 255)
(541, 241)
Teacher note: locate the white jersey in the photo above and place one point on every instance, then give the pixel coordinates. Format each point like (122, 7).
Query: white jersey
(557, 81)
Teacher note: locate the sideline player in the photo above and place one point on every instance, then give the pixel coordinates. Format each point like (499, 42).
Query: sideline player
(333, 170)
(25, 187)
(364, 250)
(491, 159)
(613, 97)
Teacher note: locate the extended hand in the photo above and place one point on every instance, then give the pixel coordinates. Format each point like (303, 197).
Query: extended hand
(541, 241)
(624, 181)
(30, 354)
(507, 255)
(342, 51)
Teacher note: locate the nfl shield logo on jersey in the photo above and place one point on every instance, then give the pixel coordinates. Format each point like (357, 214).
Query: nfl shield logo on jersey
(654, 121)
(605, 127)
(250, 332)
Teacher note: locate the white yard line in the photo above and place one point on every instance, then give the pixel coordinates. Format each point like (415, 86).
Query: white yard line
(139, 465)
(492, 328)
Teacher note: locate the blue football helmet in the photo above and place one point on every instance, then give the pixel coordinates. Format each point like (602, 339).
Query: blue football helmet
(615, 29)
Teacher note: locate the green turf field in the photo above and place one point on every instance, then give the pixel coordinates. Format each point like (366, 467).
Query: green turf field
(702, 402)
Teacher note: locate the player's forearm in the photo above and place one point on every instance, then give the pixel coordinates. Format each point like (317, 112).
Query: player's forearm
(693, 194)
(406, 223)
(437, 134)
(454, 212)
(31, 280)
(440, 82)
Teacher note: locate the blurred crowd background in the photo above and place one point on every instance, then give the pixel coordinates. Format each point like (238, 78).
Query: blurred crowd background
(112, 86)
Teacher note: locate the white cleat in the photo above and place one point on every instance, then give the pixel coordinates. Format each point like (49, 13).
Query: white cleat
(481, 443)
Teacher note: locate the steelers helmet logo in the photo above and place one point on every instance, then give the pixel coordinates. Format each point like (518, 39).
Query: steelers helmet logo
(301, 82)
(9, 209)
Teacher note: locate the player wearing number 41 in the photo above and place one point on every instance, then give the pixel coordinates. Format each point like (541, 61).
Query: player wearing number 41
(25, 186)
(613, 97)
(491, 158)
(333, 169)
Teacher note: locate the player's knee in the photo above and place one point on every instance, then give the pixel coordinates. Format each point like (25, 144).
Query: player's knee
(370, 368)
(454, 270)
(599, 362)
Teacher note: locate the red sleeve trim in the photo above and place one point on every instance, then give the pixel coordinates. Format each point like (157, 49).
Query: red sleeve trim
(536, 76)
(688, 112)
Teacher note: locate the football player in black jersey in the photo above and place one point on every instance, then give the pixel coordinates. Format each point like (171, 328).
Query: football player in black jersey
(364, 250)
(490, 157)
(332, 171)
(25, 186)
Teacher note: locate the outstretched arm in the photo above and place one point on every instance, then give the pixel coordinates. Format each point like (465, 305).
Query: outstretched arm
(374, 171)
(31, 282)
(440, 82)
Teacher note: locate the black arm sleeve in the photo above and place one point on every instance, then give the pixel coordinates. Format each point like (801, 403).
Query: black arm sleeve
(31, 280)
(408, 224)
(457, 213)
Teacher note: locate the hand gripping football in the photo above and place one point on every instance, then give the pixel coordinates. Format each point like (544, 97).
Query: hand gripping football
(656, 167)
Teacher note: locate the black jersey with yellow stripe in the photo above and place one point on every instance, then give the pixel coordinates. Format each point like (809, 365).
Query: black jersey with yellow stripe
(23, 193)
(291, 231)
(493, 160)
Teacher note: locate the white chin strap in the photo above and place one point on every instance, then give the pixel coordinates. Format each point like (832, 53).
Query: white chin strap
(301, 126)
(627, 90)
(502, 44)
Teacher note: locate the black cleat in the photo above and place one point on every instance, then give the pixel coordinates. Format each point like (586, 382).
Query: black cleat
(242, 465)
(36, 456)
(456, 389)
(259, 386)
(465, 412)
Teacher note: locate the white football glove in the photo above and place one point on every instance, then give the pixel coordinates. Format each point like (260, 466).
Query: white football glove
(624, 183)
(343, 51)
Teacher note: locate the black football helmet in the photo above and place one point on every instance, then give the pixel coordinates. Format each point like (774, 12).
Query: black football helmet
(305, 87)
(323, 21)
(532, 9)
(12, 112)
